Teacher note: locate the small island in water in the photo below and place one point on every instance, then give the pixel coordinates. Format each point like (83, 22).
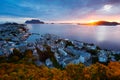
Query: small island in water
(34, 21)
(104, 23)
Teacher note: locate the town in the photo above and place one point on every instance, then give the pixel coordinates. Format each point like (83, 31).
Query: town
(64, 51)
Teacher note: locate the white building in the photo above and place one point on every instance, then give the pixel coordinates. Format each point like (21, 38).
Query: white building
(49, 63)
(62, 52)
(102, 56)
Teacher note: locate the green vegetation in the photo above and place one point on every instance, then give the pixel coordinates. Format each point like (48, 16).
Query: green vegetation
(18, 57)
(68, 43)
(117, 57)
(93, 52)
(94, 59)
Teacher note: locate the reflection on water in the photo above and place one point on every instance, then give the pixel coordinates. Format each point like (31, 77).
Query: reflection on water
(103, 36)
(101, 33)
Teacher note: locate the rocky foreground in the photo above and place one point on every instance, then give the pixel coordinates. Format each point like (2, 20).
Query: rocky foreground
(51, 50)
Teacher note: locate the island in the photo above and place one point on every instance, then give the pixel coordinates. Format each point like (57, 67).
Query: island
(106, 23)
(34, 21)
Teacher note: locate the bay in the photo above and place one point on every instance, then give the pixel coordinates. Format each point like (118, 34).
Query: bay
(106, 37)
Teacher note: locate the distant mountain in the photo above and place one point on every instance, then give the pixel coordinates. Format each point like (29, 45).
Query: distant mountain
(104, 23)
(34, 21)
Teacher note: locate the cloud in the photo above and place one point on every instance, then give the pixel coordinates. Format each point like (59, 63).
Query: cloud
(58, 9)
(108, 10)
(14, 19)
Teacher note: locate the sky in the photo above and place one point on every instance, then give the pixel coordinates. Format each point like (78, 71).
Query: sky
(60, 10)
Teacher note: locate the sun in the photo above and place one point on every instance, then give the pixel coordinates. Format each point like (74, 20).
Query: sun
(107, 7)
(92, 21)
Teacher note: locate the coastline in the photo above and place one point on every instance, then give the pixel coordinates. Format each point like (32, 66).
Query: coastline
(65, 51)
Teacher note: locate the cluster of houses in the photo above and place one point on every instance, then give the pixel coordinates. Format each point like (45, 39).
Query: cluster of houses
(67, 51)
(12, 35)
